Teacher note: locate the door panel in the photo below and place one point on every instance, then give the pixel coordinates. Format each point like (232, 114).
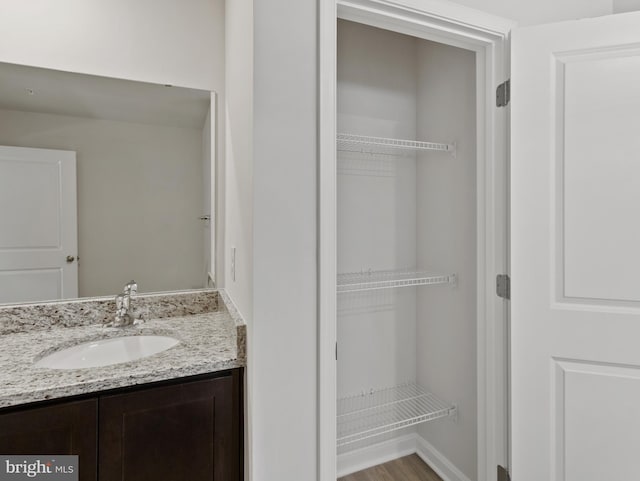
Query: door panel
(600, 185)
(188, 431)
(23, 285)
(595, 411)
(31, 189)
(575, 205)
(68, 428)
(39, 225)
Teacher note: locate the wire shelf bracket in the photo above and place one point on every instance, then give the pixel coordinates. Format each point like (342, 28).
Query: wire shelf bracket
(385, 410)
(373, 280)
(385, 145)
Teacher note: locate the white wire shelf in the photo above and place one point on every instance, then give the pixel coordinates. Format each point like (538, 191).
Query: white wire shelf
(372, 280)
(385, 410)
(383, 145)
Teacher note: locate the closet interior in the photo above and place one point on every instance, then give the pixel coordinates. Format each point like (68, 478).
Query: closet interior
(407, 250)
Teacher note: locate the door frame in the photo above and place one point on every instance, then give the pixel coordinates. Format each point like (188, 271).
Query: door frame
(488, 36)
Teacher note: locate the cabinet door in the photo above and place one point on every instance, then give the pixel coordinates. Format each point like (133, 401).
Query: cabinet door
(68, 428)
(181, 432)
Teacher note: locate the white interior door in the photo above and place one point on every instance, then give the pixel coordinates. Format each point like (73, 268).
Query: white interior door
(38, 219)
(576, 250)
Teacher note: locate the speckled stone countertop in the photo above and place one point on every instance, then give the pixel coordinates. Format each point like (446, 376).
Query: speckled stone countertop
(209, 342)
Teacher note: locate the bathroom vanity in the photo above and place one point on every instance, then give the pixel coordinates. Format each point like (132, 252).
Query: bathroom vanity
(189, 429)
(174, 415)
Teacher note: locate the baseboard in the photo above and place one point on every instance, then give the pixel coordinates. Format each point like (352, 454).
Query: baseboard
(438, 462)
(391, 449)
(375, 454)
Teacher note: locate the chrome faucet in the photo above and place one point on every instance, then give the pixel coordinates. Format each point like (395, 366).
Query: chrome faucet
(124, 307)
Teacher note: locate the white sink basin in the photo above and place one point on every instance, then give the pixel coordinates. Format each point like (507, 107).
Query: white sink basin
(106, 352)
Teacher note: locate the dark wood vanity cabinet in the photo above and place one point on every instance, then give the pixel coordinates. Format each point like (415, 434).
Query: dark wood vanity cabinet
(67, 428)
(182, 431)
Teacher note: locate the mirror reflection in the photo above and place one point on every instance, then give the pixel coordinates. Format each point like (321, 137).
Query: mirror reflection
(102, 181)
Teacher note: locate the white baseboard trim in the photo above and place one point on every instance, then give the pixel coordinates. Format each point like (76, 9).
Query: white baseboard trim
(375, 454)
(438, 462)
(391, 449)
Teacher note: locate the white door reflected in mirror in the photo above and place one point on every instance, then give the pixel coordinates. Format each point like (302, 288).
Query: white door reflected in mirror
(38, 215)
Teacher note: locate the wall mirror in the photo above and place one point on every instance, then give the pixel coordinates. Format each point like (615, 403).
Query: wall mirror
(102, 181)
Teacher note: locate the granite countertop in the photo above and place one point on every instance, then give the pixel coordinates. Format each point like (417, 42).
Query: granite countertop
(208, 342)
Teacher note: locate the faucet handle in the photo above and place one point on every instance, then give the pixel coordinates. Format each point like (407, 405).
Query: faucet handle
(131, 288)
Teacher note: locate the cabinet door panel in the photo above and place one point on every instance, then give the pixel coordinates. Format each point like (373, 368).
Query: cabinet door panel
(181, 432)
(68, 428)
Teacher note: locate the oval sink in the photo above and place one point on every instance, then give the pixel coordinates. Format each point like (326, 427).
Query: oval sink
(106, 352)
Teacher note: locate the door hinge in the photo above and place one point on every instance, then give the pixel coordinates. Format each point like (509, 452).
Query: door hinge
(503, 94)
(503, 474)
(336, 351)
(503, 286)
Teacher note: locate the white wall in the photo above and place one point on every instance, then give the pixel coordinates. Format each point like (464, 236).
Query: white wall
(238, 189)
(238, 110)
(447, 242)
(161, 41)
(140, 193)
(283, 344)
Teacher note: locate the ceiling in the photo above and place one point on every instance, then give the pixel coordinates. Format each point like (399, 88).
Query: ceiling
(31, 89)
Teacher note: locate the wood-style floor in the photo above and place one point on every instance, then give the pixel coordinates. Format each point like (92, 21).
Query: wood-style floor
(409, 468)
